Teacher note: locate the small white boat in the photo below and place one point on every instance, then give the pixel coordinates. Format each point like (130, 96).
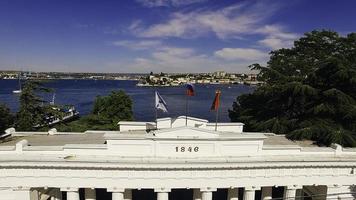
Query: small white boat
(19, 90)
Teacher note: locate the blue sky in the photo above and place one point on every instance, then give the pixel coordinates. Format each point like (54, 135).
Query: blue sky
(158, 35)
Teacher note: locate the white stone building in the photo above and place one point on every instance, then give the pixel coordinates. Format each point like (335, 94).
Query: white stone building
(193, 159)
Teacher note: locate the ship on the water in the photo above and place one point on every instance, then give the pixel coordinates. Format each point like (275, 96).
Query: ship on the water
(66, 114)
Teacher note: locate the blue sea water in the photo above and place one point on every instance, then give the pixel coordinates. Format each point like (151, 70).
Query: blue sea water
(81, 94)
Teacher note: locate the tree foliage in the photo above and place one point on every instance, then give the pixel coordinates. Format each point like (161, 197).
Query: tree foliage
(115, 107)
(6, 118)
(107, 112)
(309, 91)
(33, 109)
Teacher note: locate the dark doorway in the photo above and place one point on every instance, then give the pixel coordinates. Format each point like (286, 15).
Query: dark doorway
(278, 192)
(220, 194)
(102, 194)
(181, 194)
(147, 194)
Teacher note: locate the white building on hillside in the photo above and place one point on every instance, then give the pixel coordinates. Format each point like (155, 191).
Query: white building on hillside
(195, 160)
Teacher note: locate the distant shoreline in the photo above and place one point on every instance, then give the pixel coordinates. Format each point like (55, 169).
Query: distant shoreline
(249, 83)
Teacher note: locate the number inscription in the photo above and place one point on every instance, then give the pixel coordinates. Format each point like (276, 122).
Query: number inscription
(187, 149)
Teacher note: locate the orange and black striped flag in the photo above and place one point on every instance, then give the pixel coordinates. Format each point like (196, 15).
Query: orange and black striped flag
(216, 101)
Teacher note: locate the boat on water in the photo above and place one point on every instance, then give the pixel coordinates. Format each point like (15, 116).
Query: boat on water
(19, 90)
(68, 113)
(145, 84)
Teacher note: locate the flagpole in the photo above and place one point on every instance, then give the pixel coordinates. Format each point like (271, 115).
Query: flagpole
(186, 110)
(156, 112)
(216, 118)
(156, 118)
(217, 105)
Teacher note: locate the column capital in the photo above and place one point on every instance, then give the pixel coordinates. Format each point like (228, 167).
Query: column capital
(208, 189)
(162, 189)
(334, 185)
(69, 189)
(253, 188)
(21, 188)
(115, 189)
(294, 187)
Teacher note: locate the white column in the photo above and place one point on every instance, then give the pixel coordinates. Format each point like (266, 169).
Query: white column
(299, 194)
(89, 194)
(128, 194)
(266, 193)
(162, 193)
(332, 191)
(196, 194)
(22, 193)
(117, 196)
(207, 193)
(233, 194)
(72, 193)
(290, 192)
(339, 192)
(117, 193)
(34, 194)
(249, 192)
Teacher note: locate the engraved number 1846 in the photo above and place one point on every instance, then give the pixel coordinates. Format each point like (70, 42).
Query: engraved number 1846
(186, 149)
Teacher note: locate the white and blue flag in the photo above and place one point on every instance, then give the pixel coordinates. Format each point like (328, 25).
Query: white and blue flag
(160, 103)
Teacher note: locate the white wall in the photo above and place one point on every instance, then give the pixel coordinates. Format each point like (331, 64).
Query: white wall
(163, 123)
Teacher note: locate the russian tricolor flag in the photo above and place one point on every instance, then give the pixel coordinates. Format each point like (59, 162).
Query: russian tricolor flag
(190, 89)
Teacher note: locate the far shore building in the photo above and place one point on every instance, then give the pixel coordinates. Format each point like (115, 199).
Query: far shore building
(172, 160)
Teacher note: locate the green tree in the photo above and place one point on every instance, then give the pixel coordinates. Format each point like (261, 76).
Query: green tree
(107, 112)
(33, 109)
(309, 91)
(6, 118)
(114, 107)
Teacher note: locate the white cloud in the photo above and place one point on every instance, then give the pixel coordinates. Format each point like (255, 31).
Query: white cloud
(138, 45)
(233, 21)
(275, 43)
(160, 3)
(175, 51)
(135, 25)
(276, 37)
(245, 54)
(174, 59)
(276, 31)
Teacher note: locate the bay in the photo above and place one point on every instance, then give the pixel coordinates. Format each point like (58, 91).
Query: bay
(81, 94)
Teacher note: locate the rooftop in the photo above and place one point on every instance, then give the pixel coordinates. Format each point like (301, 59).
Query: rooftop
(61, 139)
(192, 144)
(56, 140)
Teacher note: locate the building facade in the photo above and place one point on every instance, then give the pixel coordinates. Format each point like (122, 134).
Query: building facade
(193, 157)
